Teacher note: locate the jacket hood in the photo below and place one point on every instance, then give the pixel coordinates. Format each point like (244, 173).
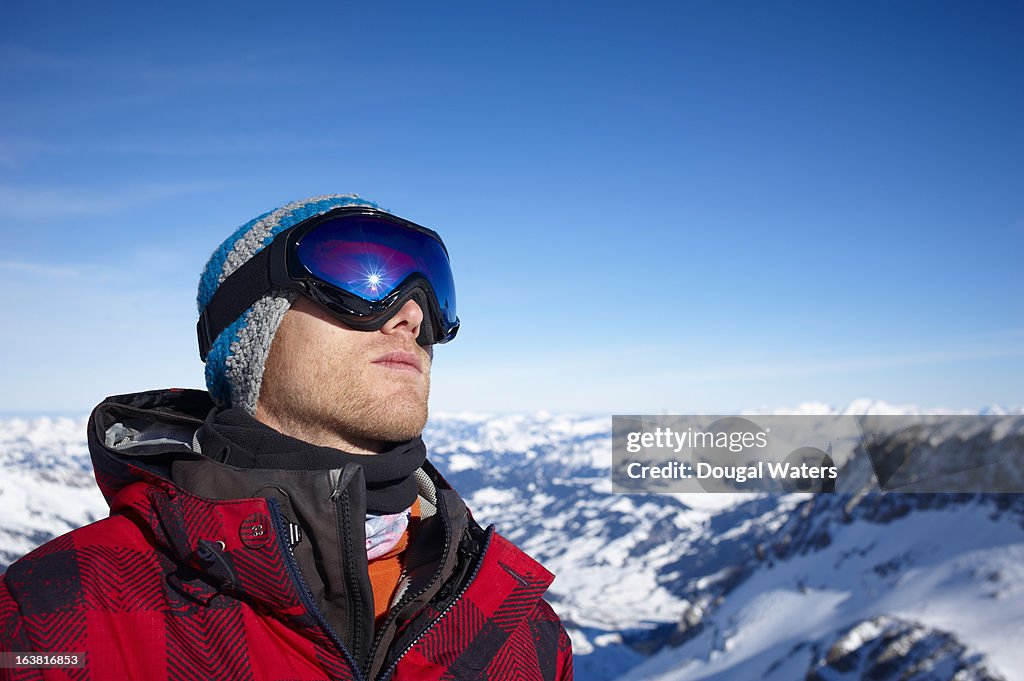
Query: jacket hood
(135, 437)
(207, 546)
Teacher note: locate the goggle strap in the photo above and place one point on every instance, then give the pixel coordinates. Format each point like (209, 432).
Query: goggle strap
(235, 295)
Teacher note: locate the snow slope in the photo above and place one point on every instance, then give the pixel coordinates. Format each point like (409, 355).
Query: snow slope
(955, 568)
(46, 483)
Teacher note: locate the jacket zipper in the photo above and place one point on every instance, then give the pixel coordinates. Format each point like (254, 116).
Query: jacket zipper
(393, 612)
(344, 516)
(402, 602)
(440, 616)
(304, 592)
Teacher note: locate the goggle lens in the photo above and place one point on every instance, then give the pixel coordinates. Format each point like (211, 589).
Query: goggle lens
(371, 258)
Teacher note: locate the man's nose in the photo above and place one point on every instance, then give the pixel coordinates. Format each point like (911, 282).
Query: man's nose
(407, 320)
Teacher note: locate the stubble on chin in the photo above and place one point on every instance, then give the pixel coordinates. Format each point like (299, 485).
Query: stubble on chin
(386, 410)
(335, 401)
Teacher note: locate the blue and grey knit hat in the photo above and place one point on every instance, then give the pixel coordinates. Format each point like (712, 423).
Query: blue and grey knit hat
(234, 367)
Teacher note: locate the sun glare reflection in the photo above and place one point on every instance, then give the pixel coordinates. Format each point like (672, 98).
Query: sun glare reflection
(376, 279)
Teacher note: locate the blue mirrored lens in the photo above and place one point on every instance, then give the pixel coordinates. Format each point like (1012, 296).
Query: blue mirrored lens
(371, 257)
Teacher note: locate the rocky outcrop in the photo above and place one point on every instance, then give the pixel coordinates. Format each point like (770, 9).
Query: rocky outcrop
(892, 649)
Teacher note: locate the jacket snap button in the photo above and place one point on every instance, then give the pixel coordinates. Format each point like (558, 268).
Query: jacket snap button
(255, 531)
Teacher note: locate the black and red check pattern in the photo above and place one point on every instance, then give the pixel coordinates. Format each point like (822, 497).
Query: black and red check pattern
(130, 591)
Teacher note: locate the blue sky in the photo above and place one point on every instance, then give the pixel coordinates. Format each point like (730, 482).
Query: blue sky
(683, 207)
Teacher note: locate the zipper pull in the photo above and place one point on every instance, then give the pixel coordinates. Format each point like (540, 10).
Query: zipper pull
(468, 547)
(294, 534)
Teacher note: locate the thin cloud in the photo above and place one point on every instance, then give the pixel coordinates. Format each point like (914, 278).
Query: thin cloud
(222, 145)
(636, 363)
(42, 203)
(15, 151)
(261, 66)
(21, 57)
(756, 371)
(41, 270)
(140, 270)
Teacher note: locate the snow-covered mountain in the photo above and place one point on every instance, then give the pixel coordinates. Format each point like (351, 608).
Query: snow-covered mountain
(707, 586)
(46, 483)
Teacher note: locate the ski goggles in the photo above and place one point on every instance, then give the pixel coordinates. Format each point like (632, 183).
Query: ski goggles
(359, 263)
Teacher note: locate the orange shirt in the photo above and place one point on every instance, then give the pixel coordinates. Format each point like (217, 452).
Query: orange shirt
(386, 570)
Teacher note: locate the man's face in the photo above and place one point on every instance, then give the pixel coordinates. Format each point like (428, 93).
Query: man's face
(325, 378)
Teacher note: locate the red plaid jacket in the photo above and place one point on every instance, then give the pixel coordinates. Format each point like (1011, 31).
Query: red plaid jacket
(174, 586)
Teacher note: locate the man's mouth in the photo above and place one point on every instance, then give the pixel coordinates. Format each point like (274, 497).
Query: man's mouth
(400, 361)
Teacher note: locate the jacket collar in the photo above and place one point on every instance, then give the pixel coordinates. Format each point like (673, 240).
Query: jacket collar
(237, 439)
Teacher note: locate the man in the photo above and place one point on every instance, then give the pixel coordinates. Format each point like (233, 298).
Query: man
(286, 524)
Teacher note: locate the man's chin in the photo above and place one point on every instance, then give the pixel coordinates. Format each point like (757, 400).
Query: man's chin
(400, 418)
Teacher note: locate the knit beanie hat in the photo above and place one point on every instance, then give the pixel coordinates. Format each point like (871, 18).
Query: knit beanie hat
(234, 366)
